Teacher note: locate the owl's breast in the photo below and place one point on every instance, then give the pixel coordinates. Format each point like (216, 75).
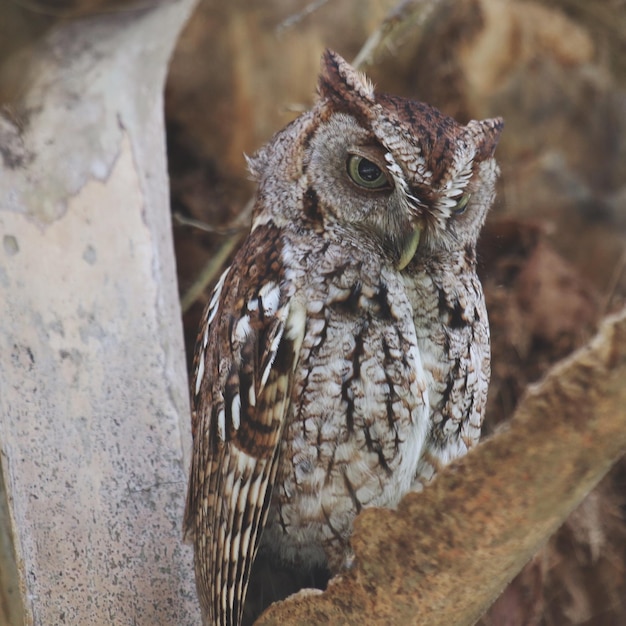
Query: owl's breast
(453, 339)
(359, 413)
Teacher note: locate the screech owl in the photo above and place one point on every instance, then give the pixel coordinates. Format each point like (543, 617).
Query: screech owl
(344, 355)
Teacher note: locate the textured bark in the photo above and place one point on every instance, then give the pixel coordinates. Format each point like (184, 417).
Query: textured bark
(93, 400)
(443, 557)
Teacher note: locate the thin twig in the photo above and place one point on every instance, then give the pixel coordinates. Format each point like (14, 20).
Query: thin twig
(208, 273)
(294, 19)
(227, 230)
(406, 15)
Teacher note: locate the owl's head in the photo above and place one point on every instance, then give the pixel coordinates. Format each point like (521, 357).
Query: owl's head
(395, 170)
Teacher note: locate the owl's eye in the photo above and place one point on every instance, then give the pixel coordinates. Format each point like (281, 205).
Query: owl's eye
(461, 205)
(365, 173)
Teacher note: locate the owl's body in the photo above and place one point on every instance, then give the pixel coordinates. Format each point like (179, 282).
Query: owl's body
(344, 355)
(359, 417)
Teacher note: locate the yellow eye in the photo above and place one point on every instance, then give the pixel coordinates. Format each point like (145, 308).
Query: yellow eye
(365, 173)
(461, 205)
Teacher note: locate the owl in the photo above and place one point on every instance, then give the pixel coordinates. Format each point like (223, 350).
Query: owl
(344, 355)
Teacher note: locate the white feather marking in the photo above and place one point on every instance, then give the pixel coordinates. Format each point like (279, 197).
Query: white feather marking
(317, 305)
(416, 166)
(415, 201)
(393, 167)
(251, 396)
(235, 409)
(296, 323)
(255, 499)
(205, 337)
(272, 355)
(414, 443)
(457, 183)
(316, 328)
(454, 188)
(236, 491)
(446, 203)
(396, 172)
(245, 462)
(200, 372)
(259, 220)
(221, 424)
(217, 290)
(269, 295)
(214, 303)
(212, 313)
(242, 329)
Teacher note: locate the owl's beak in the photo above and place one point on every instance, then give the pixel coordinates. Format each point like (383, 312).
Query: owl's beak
(408, 247)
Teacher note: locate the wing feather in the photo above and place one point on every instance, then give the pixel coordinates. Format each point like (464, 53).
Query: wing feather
(245, 358)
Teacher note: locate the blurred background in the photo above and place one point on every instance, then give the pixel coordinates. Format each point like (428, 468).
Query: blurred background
(553, 252)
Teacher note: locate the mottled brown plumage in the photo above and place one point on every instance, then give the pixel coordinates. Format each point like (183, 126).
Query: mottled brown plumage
(344, 355)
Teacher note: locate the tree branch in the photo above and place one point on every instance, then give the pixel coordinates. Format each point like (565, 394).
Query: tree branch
(94, 416)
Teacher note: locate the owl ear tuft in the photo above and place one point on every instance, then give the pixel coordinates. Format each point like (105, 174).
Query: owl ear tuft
(343, 85)
(486, 134)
